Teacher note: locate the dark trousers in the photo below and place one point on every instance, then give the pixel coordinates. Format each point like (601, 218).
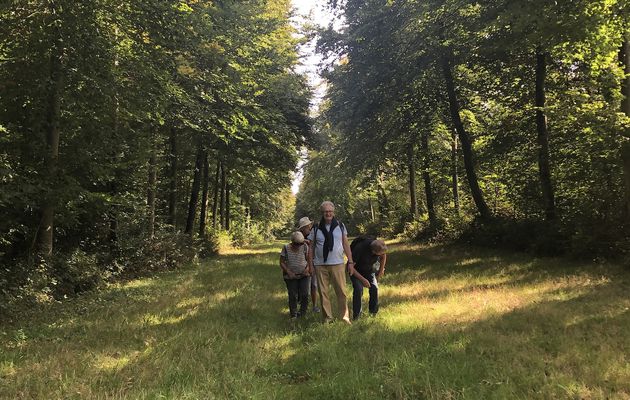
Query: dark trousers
(357, 293)
(298, 290)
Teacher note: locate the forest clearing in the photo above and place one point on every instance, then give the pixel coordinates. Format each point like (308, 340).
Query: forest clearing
(455, 322)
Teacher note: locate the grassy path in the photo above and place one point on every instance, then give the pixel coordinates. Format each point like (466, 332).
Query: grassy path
(455, 323)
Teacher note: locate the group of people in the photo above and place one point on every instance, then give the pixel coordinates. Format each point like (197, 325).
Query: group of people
(314, 260)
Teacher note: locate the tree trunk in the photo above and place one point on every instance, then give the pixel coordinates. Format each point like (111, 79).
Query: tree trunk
(544, 169)
(222, 201)
(372, 217)
(383, 202)
(204, 196)
(113, 235)
(412, 181)
(455, 184)
(427, 177)
(227, 203)
(465, 141)
(194, 192)
(172, 178)
(246, 211)
(53, 114)
(215, 203)
(151, 189)
(624, 58)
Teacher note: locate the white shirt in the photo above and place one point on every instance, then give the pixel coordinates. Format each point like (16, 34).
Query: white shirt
(335, 256)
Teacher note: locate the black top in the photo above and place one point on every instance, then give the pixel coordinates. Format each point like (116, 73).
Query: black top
(363, 257)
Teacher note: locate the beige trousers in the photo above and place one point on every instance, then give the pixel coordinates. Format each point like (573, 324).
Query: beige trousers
(335, 275)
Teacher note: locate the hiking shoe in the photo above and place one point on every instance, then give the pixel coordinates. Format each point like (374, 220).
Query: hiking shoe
(316, 309)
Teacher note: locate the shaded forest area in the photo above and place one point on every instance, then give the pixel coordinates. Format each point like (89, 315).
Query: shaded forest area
(136, 135)
(502, 123)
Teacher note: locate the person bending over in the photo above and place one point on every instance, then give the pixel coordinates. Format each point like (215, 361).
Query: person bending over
(369, 255)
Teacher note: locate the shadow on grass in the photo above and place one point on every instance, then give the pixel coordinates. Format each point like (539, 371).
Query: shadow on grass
(219, 331)
(444, 262)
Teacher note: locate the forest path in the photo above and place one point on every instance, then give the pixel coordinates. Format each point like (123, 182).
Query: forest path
(454, 323)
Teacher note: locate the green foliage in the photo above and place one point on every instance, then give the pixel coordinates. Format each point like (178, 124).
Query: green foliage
(141, 90)
(166, 251)
(76, 273)
(219, 241)
(388, 91)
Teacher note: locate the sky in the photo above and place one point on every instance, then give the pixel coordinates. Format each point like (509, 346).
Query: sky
(313, 10)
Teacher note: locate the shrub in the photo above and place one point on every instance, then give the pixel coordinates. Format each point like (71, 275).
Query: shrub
(218, 241)
(242, 235)
(534, 236)
(74, 273)
(370, 228)
(167, 250)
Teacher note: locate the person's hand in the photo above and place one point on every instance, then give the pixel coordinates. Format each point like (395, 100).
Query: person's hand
(366, 283)
(290, 274)
(380, 274)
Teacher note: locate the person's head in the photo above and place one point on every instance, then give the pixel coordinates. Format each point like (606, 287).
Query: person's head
(305, 225)
(297, 239)
(378, 247)
(328, 211)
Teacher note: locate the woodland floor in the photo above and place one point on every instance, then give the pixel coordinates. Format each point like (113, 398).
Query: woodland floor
(455, 323)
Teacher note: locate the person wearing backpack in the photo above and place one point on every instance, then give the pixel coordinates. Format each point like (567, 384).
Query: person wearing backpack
(329, 240)
(296, 266)
(370, 255)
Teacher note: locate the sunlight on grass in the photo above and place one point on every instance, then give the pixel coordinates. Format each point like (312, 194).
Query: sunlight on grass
(454, 323)
(7, 369)
(191, 302)
(155, 320)
(111, 363)
(135, 284)
(469, 261)
(247, 251)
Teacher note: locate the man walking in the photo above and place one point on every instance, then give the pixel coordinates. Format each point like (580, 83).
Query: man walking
(329, 241)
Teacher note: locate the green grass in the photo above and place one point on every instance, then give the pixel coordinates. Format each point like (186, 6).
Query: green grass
(455, 323)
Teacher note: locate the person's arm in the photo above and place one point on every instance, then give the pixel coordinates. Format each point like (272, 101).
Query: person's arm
(348, 252)
(360, 277)
(311, 252)
(284, 267)
(309, 261)
(381, 271)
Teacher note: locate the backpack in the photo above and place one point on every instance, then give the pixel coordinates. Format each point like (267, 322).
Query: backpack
(360, 239)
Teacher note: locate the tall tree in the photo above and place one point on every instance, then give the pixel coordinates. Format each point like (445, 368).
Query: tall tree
(544, 168)
(53, 115)
(464, 139)
(624, 58)
(204, 196)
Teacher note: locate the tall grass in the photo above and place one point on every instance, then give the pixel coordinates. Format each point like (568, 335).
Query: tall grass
(455, 323)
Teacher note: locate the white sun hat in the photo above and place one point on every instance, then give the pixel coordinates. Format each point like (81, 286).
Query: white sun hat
(303, 222)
